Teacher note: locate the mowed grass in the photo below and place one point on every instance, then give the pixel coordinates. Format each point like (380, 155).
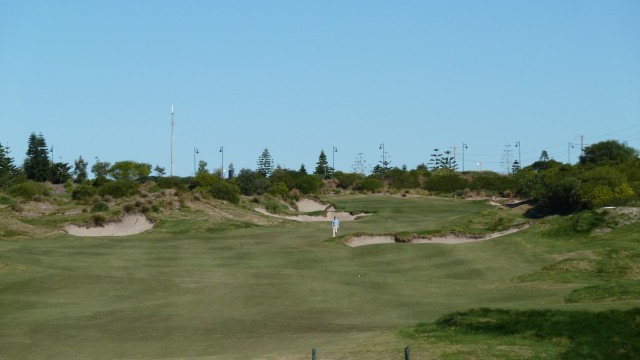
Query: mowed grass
(276, 291)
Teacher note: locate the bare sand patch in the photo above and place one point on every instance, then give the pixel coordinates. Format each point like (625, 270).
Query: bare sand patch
(310, 205)
(129, 225)
(447, 239)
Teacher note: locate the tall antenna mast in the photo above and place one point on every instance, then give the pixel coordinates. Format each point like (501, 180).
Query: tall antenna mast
(172, 125)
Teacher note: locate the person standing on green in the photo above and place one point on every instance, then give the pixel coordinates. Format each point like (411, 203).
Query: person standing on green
(335, 224)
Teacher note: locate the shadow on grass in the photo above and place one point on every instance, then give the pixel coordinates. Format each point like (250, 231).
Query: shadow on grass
(612, 334)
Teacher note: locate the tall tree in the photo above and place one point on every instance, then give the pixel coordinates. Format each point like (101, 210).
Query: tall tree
(202, 167)
(130, 170)
(360, 165)
(515, 167)
(60, 173)
(37, 165)
(302, 170)
(265, 163)
(8, 171)
(448, 161)
(101, 169)
(160, 170)
(435, 162)
(322, 166)
(607, 152)
(544, 156)
(80, 170)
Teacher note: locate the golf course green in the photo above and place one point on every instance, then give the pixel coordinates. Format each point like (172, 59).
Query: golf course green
(190, 289)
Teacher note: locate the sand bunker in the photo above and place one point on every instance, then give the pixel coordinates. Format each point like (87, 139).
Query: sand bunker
(448, 239)
(129, 225)
(342, 216)
(307, 205)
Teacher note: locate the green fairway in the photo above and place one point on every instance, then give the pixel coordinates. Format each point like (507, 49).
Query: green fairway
(278, 291)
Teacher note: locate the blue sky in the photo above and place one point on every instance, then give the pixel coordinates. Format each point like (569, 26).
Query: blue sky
(98, 79)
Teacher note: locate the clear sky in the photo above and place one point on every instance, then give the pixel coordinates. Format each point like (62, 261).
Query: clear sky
(98, 79)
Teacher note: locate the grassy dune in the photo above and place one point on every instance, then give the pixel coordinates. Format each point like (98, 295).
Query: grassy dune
(188, 291)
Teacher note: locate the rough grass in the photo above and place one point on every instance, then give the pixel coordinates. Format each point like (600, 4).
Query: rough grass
(611, 334)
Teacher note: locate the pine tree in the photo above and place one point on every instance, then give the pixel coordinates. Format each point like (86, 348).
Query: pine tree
(515, 167)
(37, 165)
(265, 163)
(322, 166)
(544, 156)
(8, 171)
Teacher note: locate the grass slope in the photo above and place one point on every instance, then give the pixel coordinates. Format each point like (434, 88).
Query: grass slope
(191, 290)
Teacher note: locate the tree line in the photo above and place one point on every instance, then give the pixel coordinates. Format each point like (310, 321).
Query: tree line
(607, 174)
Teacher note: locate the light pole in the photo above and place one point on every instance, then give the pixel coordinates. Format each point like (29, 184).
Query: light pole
(222, 164)
(333, 159)
(384, 160)
(172, 124)
(195, 151)
(464, 146)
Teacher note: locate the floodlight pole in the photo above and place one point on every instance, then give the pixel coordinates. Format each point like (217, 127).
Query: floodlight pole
(464, 146)
(172, 125)
(384, 160)
(222, 164)
(195, 151)
(333, 160)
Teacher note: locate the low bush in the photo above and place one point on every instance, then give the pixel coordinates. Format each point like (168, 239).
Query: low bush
(28, 190)
(99, 219)
(119, 189)
(588, 220)
(83, 192)
(100, 206)
(223, 190)
(368, 185)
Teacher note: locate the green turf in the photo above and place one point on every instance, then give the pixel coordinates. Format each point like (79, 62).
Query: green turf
(234, 290)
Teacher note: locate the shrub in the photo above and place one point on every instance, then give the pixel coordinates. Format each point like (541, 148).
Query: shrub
(128, 208)
(83, 192)
(586, 221)
(27, 190)
(446, 183)
(368, 185)
(223, 190)
(100, 206)
(308, 184)
(273, 206)
(172, 182)
(295, 194)
(99, 219)
(280, 189)
(17, 207)
(346, 180)
(119, 189)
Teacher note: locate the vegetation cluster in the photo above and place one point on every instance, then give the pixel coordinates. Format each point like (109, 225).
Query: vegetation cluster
(608, 174)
